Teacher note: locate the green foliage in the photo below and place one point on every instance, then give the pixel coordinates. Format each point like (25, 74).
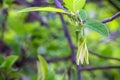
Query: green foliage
(97, 26)
(49, 9)
(1, 18)
(73, 20)
(6, 3)
(82, 53)
(69, 4)
(6, 68)
(82, 14)
(78, 4)
(42, 68)
(33, 38)
(74, 5)
(50, 76)
(9, 61)
(73, 73)
(1, 59)
(15, 75)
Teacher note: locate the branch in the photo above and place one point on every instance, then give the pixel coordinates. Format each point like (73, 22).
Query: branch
(66, 32)
(58, 59)
(104, 57)
(3, 23)
(40, 2)
(71, 45)
(111, 2)
(99, 68)
(111, 18)
(67, 35)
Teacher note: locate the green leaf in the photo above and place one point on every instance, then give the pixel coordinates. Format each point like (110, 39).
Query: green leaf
(6, 3)
(10, 60)
(42, 68)
(78, 4)
(69, 4)
(81, 53)
(48, 9)
(14, 75)
(74, 5)
(82, 14)
(50, 76)
(2, 76)
(98, 27)
(87, 54)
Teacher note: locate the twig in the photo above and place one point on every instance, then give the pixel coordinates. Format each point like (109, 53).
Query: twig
(99, 68)
(25, 60)
(71, 45)
(58, 59)
(39, 2)
(104, 57)
(67, 36)
(66, 32)
(111, 18)
(111, 2)
(5, 14)
(94, 68)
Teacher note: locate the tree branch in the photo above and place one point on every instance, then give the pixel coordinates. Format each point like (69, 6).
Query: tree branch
(67, 35)
(3, 24)
(111, 2)
(111, 18)
(58, 59)
(104, 57)
(99, 68)
(71, 46)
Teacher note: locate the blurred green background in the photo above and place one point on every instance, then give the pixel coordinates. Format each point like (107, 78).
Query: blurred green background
(28, 34)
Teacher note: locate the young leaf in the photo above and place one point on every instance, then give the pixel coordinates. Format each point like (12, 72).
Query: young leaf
(10, 60)
(98, 27)
(87, 54)
(82, 14)
(80, 53)
(73, 20)
(42, 68)
(48, 9)
(78, 4)
(69, 4)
